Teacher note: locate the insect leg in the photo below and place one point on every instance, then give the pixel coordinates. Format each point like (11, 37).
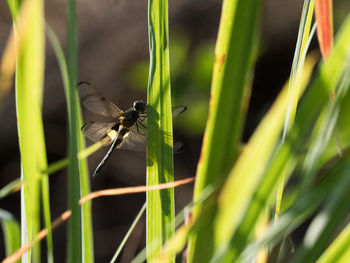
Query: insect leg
(141, 124)
(137, 127)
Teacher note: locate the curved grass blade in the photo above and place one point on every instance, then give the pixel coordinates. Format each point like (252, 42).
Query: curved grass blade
(80, 227)
(11, 232)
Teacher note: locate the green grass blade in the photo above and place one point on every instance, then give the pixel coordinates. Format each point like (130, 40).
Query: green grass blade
(326, 223)
(87, 231)
(287, 156)
(250, 166)
(301, 48)
(298, 60)
(326, 129)
(172, 246)
(29, 87)
(338, 251)
(87, 235)
(11, 231)
(160, 204)
(11, 187)
(233, 61)
(302, 209)
(74, 244)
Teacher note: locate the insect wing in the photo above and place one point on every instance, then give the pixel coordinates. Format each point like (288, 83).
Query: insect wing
(134, 140)
(178, 110)
(96, 102)
(175, 111)
(96, 131)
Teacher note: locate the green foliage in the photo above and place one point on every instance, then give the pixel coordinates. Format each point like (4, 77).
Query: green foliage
(11, 230)
(160, 203)
(29, 89)
(312, 147)
(232, 66)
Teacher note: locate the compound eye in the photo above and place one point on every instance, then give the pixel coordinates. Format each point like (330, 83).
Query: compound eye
(140, 106)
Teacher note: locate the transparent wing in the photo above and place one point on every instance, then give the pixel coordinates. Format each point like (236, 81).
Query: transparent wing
(175, 111)
(96, 102)
(96, 131)
(135, 140)
(178, 110)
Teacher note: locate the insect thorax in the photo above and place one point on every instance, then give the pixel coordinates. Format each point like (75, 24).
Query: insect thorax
(130, 118)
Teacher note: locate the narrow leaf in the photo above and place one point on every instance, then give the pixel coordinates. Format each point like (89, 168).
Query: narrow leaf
(160, 203)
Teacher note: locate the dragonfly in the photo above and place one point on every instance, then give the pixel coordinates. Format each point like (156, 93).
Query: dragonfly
(127, 129)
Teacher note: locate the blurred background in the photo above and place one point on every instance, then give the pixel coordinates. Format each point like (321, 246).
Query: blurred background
(113, 56)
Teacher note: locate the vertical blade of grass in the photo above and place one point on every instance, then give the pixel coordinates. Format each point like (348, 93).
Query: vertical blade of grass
(80, 243)
(29, 87)
(87, 235)
(160, 204)
(233, 60)
(74, 244)
(11, 231)
(87, 231)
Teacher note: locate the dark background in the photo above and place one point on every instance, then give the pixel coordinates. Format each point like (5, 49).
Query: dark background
(113, 56)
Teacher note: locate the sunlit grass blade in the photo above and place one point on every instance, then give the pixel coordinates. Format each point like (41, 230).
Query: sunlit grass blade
(29, 87)
(175, 244)
(302, 45)
(317, 97)
(326, 223)
(87, 231)
(248, 170)
(234, 57)
(11, 232)
(287, 156)
(338, 251)
(160, 204)
(19, 253)
(326, 128)
(298, 59)
(11, 187)
(301, 210)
